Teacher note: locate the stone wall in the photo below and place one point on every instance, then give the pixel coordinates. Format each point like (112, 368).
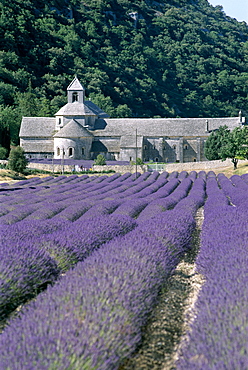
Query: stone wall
(169, 167)
(121, 169)
(117, 168)
(50, 167)
(199, 166)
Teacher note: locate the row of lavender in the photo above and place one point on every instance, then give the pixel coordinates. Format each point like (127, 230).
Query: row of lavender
(226, 193)
(35, 252)
(93, 316)
(56, 194)
(218, 337)
(44, 198)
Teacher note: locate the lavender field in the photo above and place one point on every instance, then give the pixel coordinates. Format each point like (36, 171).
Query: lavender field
(83, 260)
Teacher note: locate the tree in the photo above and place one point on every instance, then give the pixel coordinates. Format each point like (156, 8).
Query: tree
(3, 152)
(100, 160)
(139, 162)
(17, 160)
(223, 144)
(236, 147)
(215, 142)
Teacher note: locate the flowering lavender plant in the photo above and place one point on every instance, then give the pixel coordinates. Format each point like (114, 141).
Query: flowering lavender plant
(92, 318)
(218, 336)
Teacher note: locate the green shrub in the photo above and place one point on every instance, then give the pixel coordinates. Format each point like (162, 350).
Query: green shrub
(17, 160)
(3, 152)
(100, 160)
(139, 161)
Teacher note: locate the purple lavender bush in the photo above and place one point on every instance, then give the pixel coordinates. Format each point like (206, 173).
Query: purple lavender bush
(173, 191)
(202, 174)
(48, 210)
(18, 214)
(131, 208)
(218, 335)
(192, 175)
(82, 237)
(25, 270)
(73, 210)
(104, 207)
(93, 317)
(27, 229)
(237, 194)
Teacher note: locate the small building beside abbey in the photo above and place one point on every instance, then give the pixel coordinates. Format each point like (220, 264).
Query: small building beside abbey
(81, 130)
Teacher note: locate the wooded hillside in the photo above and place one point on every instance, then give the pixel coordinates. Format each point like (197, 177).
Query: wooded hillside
(174, 58)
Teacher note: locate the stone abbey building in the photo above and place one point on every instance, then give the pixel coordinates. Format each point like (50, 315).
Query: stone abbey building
(81, 130)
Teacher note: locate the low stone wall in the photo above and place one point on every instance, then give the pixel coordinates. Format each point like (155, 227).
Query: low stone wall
(199, 166)
(121, 169)
(169, 167)
(67, 168)
(50, 167)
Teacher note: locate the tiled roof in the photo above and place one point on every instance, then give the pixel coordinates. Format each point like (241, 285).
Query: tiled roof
(37, 127)
(94, 108)
(162, 127)
(75, 109)
(73, 129)
(37, 146)
(88, 108)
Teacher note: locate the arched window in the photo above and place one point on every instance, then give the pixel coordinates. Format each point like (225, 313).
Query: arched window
(156, 159)
(145, 147)
(82, 151)
(174, 147)
(185, 146)
(58, 151)
(70, 152)
(74, 97)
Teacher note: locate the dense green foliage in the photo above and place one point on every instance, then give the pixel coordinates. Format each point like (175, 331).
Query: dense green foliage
(215, 142)
(100, 160)
(179, 58)
(3, 152)
(223, 144)
(17, 160)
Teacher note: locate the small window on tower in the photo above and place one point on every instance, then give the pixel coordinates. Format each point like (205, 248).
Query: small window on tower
(82, 151)
(74, 97)
(70, 152)
(58, 151)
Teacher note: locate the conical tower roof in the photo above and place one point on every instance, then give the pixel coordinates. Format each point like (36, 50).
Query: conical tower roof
(75, 109)
(73, 130)
(75, 85)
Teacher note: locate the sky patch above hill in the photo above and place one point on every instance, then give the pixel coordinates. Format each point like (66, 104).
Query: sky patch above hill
(236, 9)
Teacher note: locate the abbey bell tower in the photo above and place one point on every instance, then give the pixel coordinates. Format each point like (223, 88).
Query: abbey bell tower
(75, 92)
